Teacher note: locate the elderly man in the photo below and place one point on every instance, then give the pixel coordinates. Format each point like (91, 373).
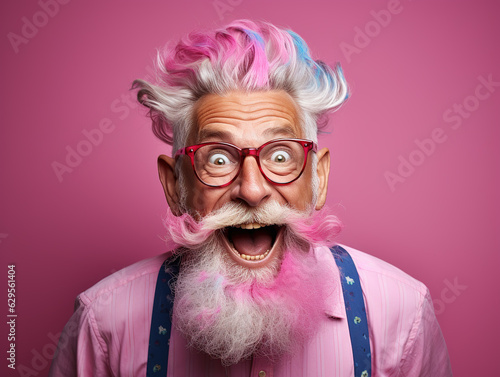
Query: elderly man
(253, 283)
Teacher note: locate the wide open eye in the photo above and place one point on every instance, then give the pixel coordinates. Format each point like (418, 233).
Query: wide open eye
(218, 159)
(216, 163)
(282, 160)
(279, 157)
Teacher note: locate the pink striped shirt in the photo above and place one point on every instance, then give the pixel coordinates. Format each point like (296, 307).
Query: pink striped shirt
(108, 333)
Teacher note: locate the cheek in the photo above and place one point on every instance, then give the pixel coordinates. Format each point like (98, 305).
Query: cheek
(201, 198)
(191, 187)
(197, 199)
(299, 193)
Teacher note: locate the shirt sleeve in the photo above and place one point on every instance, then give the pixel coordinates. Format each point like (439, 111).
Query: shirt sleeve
(425, 353)
(81, 351)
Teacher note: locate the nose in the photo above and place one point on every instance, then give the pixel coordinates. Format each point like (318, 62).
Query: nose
(251, 186)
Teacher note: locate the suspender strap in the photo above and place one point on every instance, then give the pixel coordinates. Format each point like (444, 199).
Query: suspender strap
(161, 320)
(161, 323)
(356, 312)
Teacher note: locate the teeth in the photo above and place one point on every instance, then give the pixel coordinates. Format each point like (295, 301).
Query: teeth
(254, 257)
(249, 226)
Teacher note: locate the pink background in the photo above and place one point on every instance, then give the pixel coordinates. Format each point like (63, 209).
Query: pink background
(439, 223)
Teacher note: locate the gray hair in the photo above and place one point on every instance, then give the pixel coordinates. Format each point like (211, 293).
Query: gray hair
(243, 56)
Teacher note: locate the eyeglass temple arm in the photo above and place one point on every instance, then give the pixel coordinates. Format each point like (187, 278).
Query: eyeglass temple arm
(314, 147)
(180, 152)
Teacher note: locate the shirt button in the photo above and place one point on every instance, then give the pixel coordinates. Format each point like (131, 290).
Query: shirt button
(262, 374)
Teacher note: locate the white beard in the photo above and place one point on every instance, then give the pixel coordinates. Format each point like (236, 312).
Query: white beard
(231, 312)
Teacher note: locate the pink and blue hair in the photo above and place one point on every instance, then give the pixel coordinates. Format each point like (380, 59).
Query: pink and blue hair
(243, 56)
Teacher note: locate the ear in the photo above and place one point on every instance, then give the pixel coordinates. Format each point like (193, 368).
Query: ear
(323, 170)
(168, 179)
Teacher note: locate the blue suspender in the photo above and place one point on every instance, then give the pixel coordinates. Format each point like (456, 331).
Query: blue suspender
(356, 312)
(159, 337)
(161, 321)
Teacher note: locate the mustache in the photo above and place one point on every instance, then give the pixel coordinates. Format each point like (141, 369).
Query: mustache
(315, 227)
(234, 213)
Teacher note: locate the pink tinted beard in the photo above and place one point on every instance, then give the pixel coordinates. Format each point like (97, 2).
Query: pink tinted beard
(203, 276)
(299, 291)
(184, 231)
(321, 228)
(286, 289)
(207, 317)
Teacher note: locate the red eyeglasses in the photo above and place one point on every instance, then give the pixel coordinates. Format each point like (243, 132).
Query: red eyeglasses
(280, 161)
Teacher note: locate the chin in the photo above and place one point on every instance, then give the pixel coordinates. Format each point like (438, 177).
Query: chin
(231, 308)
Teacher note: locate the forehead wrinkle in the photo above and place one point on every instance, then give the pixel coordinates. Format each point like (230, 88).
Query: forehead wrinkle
(236, 119)
(277, 102)
(208, 134)
(275, 109)
(220, 112)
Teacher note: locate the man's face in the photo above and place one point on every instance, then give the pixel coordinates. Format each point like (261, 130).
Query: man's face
(246, 120)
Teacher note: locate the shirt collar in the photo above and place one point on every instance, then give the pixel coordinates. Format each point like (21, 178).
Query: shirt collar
(334, 305)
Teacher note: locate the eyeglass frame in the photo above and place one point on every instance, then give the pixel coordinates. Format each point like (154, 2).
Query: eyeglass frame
(190, 151)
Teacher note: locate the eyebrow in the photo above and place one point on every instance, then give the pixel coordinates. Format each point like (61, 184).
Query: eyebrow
(286, 131)
(205, 135)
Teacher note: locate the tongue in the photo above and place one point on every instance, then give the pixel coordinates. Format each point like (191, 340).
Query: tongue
(252, 242)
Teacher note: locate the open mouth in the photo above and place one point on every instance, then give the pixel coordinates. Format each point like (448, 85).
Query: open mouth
(252, 242)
